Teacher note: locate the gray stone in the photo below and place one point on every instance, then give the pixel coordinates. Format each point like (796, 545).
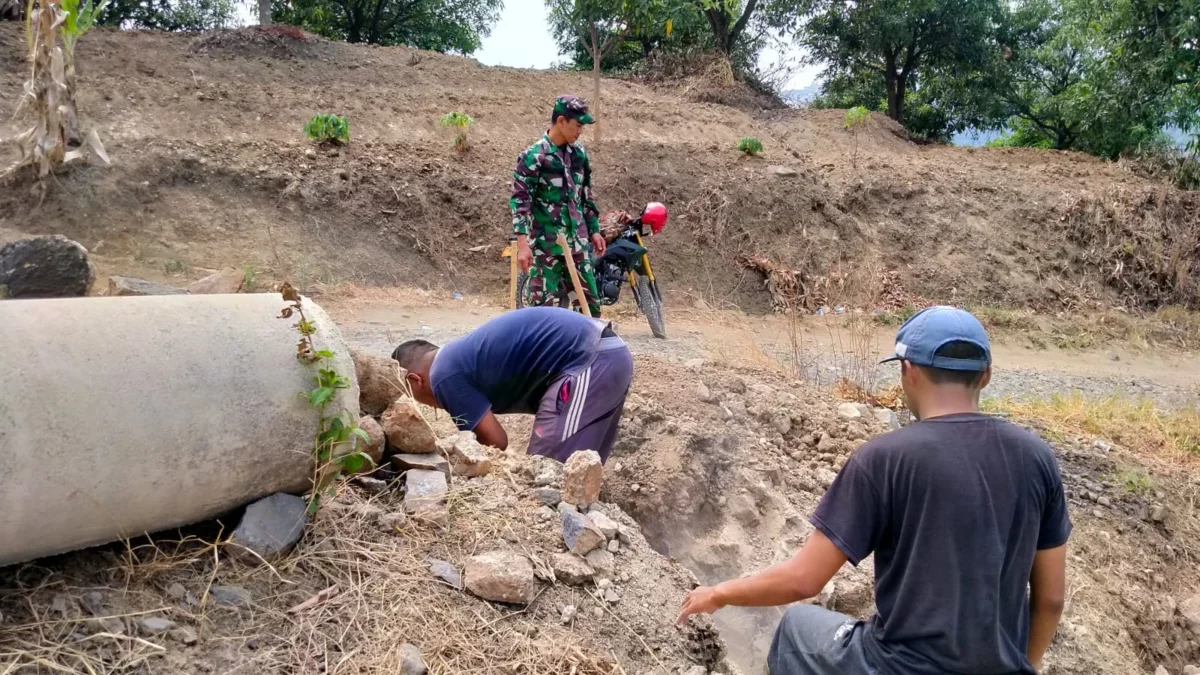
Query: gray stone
(568, 614)
(849, 412)
(234, 596)
(571, 569)
(1191, 670)
(228, 280)
(696, 670)
(1161, 670)
(430, 462)
(128, 287)
(782, 172)
(467, 457)
(611, 596)
(49, 266)
(501, 576)
(887, 418)
(269, 529)
(406, 429)
(580, 535)
(372, 485)
(153, 625)
(743, 509)
(425, 496)
(1104, 501)
(782, 423)
(603, 562)
(393, 520)
(1158, 513)
(447, 573)
(184, 635)
(379, 381)
(548, 496)
(827, 443)
(1190, 610)
(624, 535)
(607, 526)
(704, 393)
(545, 513)
(826, 477)
(736, 385)
(93, 602)
(693, 364)
(176, 591)
(563, 507)
(411, 662)
(582, 477)
(614, 546)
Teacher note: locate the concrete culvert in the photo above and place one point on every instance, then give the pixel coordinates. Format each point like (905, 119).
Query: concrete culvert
(123, 416)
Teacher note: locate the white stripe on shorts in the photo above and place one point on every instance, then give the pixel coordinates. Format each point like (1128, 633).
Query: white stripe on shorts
(575, 410)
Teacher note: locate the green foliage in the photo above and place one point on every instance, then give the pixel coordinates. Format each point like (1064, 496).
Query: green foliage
(651, 29)
(79, 19)
(170, 15)
(456, 26)
(750, 145)
(334, 433)
(461, 123)
(855, 117)
(327, 129)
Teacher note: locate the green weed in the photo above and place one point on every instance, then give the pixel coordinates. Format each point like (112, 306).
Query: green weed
(249, 277)
(461, 124)
(328, 129)
(750, 145)
(854, 120)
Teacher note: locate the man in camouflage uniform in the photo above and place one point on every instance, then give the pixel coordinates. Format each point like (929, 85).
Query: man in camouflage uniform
(552, 193)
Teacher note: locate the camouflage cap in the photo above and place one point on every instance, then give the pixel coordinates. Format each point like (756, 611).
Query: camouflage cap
(574, 108)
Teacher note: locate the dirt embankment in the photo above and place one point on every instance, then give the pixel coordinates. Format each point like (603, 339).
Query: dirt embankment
(211, 170)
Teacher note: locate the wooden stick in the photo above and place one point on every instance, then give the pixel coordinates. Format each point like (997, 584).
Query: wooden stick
(580, 298)
(512, 276)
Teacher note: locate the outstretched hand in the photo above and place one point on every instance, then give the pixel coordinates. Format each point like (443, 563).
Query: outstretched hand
(703, 600)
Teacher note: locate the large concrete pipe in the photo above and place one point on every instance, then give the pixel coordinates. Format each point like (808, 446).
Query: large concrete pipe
(124, 416)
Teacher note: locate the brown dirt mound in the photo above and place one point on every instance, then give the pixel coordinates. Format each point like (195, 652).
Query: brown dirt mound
(211, 170)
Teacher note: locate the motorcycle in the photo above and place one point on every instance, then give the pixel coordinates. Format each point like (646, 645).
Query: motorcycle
(624, 260)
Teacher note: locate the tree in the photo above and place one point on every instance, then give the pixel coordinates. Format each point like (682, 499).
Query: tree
(893, 39)
(169, 15)
(438, 25)
(599, 26)
(728, 20)
(665, 28)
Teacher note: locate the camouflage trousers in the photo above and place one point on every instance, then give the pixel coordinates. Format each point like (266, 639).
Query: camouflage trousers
(549, 278)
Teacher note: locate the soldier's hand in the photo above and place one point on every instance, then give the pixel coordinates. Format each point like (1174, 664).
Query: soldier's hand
(599, 243)
(524, 256)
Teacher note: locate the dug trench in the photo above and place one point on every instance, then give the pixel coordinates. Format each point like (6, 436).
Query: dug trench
(722, 468)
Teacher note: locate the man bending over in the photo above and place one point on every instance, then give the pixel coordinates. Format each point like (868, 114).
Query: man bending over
(570, 370)
(967, 520)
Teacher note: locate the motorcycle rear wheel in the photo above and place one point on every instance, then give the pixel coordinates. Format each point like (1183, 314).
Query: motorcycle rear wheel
(564, 300)
(650, 307)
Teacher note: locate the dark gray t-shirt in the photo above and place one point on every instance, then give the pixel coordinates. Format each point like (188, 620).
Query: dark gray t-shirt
(954, 509)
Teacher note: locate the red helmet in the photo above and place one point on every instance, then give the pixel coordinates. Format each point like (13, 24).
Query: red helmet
(655, 215)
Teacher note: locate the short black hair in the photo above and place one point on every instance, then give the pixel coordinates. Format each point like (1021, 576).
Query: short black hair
(555, 115)
(957, 349)
(408, 354)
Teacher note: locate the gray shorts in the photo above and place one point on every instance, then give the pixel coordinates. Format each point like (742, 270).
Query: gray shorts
(581, 410)
(812, 640)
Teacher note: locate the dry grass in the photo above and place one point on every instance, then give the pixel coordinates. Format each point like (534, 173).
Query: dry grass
(344, 602)
(1139, 426)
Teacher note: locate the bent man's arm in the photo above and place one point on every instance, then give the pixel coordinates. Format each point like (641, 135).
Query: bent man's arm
(489, 432)
(799, 578)
(526, 177)
(591, 214)
(1047, 594)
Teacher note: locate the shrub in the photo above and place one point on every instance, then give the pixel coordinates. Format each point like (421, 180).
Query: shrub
(750, 145)
(328, 129)
(854, 120)
(461, 123)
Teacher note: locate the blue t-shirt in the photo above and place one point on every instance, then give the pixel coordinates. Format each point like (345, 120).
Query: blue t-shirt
(508, 363)
(954, 509)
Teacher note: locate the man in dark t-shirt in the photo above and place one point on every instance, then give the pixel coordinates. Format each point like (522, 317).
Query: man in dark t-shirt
(571, 371)
(966, 517)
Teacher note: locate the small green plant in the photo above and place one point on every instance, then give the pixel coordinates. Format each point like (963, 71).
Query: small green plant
(461, 124)
(1136, 481)
(894, 317)
(750, 145)
(328, 129)
(249, 277)
(334, 432)
(854, 120)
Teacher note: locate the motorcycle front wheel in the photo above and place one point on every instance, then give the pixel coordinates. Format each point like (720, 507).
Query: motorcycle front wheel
(650, 307)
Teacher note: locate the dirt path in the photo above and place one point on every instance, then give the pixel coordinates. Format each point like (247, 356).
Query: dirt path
(828, 349)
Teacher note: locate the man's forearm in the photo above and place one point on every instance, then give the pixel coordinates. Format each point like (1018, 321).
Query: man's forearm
(1043, 622)
(778, 585)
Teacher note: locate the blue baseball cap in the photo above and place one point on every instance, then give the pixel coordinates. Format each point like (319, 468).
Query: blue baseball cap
(930, 329)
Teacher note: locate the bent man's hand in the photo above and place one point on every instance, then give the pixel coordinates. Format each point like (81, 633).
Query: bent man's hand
(524, 256)
(599, 243)
(703, 600)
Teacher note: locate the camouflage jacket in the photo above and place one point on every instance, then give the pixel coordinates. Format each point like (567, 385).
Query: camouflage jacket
(552, 189)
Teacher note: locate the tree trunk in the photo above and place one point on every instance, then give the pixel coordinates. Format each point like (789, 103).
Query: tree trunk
(594, 107)
(264, 13)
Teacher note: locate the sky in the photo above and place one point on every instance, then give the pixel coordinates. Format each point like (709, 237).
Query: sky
(521, 39)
